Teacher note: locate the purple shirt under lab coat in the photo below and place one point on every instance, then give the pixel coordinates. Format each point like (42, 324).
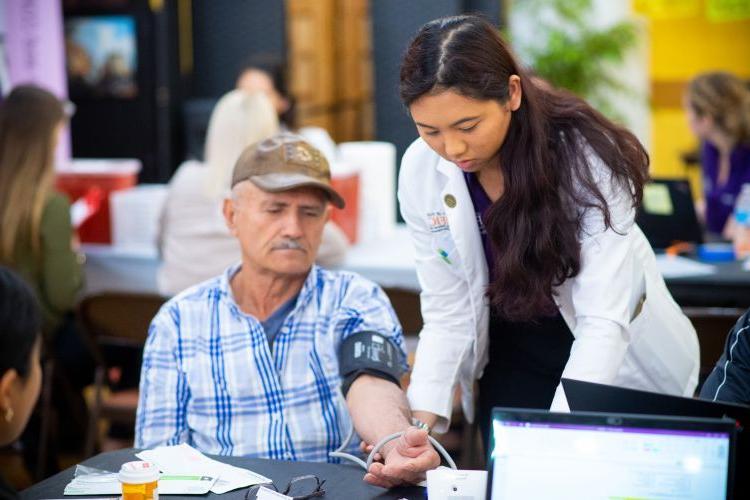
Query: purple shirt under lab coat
(720, 199)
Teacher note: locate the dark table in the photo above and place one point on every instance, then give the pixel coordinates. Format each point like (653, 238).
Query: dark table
(342, 481)
(729, 286)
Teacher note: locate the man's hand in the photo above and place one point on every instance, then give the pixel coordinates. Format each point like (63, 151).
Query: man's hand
(366, 448)
(406, 460)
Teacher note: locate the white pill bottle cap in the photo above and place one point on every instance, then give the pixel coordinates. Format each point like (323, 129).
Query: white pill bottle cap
(138, 472)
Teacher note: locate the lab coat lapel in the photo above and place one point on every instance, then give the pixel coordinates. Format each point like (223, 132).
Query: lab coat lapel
(462, 223)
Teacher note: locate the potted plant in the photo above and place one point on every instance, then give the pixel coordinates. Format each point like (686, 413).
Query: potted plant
(559, 42)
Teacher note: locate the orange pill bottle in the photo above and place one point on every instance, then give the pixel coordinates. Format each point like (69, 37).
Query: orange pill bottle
(139, 480)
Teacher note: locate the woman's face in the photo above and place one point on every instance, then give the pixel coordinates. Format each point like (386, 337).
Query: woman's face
(464, 130)
(19, 394)
(255, 80)
(701, 126)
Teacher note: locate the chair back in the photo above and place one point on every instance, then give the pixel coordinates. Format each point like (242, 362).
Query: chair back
(119, 317)
(118, 320)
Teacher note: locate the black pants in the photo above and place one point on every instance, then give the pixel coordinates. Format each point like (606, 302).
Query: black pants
(526, 362)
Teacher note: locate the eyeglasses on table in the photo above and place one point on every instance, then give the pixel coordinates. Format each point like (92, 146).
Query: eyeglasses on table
(299, 488)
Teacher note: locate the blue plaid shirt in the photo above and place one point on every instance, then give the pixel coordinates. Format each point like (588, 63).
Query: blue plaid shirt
(209, 378)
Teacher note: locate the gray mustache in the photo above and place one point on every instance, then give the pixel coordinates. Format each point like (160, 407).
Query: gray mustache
(288, 245)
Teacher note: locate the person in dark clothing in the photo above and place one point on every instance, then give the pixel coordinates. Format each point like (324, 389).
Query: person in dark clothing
(730, 379)
(20, 373)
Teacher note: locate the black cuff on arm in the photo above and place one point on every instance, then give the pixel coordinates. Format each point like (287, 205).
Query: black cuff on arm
(369, 353)
(347, 382)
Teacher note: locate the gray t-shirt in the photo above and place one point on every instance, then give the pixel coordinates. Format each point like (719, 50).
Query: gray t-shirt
(273, 324)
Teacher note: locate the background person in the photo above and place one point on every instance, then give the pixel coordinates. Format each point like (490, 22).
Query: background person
(253, 78)
(718, 110)
(37, 237)
(20, 373)
(520, 200)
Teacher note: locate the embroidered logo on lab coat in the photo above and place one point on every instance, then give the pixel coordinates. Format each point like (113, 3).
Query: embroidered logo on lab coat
(444, 255)
(438, 221)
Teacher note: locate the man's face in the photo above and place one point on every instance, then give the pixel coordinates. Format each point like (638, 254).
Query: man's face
(279, 233)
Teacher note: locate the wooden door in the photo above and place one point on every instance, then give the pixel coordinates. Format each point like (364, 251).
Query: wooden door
(330, 65)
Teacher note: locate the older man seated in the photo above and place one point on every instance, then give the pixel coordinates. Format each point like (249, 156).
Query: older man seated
(264, 360)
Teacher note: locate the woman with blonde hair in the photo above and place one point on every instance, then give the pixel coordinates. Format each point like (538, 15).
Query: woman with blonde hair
(36, 238)
(718, 110)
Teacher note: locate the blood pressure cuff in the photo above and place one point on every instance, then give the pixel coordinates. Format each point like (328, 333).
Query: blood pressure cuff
(369, 353)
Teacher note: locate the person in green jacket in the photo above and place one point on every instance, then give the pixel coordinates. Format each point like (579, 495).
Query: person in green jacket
(37, 241)
(36, 238)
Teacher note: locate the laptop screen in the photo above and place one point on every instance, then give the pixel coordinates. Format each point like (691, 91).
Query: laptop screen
(595, 456)
(667, 213)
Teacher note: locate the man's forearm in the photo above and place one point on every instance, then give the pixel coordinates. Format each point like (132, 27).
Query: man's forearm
(378, 408)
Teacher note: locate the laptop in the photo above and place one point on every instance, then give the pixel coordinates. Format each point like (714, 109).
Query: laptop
(538, 454)
(592, 397)
(667, 213)
(589, 396)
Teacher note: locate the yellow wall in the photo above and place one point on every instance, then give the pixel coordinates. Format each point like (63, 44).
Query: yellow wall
(680, 49)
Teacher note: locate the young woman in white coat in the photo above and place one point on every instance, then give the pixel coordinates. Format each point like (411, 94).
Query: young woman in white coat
(520, 199)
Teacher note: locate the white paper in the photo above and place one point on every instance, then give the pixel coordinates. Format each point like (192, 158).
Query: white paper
(679, 267)
(170, 484)
(109, 484)
(268, 494)
(94, 484)
(184, 459)
(135, 214)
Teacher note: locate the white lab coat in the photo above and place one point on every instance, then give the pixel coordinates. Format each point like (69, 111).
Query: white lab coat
(618, 338)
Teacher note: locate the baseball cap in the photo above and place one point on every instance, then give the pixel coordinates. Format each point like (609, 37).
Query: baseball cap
(282, 162)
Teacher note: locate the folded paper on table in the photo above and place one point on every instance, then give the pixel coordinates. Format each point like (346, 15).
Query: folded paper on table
(184, 459)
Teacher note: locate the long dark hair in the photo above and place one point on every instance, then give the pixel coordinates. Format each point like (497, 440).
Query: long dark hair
(20, 323)
(549, 184)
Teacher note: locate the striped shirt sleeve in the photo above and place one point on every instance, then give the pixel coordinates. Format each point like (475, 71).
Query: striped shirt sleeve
(164, 393)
